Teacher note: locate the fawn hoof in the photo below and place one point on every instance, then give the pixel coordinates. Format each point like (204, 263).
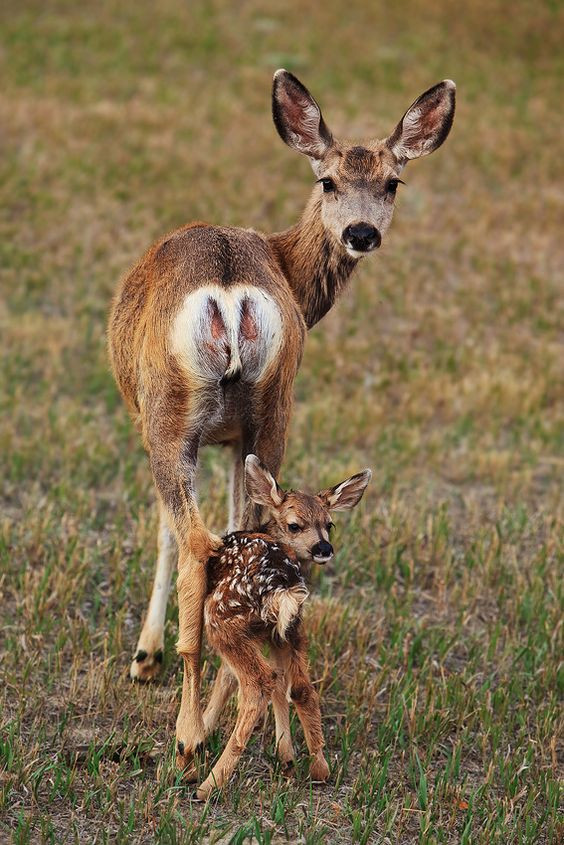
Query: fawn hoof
(319, 770)
(146, 666)
(288, 768)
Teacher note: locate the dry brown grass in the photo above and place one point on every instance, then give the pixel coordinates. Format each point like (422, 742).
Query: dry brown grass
(436, 637)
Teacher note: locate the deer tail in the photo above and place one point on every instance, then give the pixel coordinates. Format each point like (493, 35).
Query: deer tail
(283, 606)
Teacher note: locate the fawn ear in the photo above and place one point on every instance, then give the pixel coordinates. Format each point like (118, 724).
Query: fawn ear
(347, 494)
(298, 118)
(426, 123)
(260, 485)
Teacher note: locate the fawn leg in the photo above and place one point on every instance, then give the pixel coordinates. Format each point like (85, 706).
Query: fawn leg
(281, 708)
(256, 683)
(223, 687)
(306, 700)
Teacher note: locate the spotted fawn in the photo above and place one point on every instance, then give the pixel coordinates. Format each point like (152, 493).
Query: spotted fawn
(256, 589)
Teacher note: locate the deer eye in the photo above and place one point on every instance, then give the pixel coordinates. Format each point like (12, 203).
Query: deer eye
(393, 185)
(330, 526)
(294, 527)
(328, 185)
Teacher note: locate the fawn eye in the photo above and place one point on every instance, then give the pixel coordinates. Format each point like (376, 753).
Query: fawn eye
(294, 527)
(393, 185)
(328, 185)
(330, 526)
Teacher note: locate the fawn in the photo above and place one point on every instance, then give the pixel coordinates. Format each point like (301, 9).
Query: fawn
(255, 592)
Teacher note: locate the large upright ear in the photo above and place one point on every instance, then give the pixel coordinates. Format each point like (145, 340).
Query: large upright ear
(347, 494)
(260, 485)
(426, 123)
(297, 116)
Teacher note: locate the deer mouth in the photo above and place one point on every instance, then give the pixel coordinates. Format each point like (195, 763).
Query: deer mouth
(320, 559)
(359, 253)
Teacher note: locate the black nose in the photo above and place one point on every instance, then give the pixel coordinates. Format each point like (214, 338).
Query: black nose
(322, 550)
(362, 237)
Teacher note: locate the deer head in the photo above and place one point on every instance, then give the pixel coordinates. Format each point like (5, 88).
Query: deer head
(358, 182)
(302, 520)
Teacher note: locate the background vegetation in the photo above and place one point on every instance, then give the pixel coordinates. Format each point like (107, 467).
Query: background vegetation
(436, 635)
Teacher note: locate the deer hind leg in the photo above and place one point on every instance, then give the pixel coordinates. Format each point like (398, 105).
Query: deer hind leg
(148, 658)
(281, 709)
(256, 684)
(173, 462)
(306, 701)
(223, 688)
(191, 587)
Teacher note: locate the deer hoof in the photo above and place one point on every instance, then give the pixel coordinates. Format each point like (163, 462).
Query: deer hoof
(204, 791)
(189, 762)
(319, 770)
(146, 666)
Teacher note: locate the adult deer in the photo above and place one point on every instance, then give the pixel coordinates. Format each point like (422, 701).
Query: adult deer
(206, 334)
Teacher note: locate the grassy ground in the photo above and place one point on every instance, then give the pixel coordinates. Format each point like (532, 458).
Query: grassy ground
(436, 636)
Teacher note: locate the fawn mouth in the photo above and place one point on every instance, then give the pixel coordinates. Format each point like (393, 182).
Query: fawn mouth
(319, 559)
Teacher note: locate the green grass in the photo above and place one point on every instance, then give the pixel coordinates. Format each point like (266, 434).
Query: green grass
(436, 635)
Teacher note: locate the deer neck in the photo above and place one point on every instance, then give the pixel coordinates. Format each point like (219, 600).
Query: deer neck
(316, 265)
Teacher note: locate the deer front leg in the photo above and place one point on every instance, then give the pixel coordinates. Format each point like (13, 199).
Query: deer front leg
(306, 701)
(223, 688)
(237, 496)
(148, 658)
(256, 683)
(281, 708)
(268, 442)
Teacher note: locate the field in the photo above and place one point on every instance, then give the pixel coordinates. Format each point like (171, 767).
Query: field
(436, 634)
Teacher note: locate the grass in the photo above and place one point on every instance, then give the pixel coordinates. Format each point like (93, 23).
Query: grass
(436, 636)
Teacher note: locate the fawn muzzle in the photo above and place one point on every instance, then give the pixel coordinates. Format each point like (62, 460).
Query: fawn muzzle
(322, 552)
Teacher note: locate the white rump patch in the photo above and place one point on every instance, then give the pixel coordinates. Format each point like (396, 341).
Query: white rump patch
(223, 332)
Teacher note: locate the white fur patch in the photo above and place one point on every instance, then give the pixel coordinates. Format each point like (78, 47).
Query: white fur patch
(283, 607)
(207, 359)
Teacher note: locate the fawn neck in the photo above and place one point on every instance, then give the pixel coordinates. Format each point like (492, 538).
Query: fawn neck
(316, 266)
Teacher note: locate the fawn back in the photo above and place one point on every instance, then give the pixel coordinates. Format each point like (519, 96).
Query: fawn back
(257, 580)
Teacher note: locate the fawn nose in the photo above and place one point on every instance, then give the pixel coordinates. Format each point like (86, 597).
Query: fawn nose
(362, 237)
(322, 552)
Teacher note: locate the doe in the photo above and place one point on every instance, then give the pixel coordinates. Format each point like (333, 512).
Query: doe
(256, 589)
(207, 332)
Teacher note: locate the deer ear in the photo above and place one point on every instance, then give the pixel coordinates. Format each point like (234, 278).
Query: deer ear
(347, 494)
(297, 116)
(260, 485)
(426, 123)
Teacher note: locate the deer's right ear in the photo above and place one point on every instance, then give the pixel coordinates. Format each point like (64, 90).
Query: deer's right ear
(298, 118)
(260, 485)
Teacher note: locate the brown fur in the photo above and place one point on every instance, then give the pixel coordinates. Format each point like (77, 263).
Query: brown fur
(191, 377)
(255, 592)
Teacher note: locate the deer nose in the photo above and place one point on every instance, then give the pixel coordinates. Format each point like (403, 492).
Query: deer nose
(362, 237)
(322, 552)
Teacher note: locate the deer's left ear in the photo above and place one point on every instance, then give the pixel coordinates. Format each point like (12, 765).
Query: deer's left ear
(426, 123)
(347, 494)
(260, 485)
(298, 118)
